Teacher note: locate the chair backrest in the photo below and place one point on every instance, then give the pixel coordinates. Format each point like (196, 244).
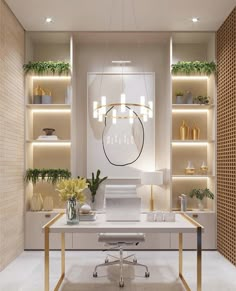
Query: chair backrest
(122, 203)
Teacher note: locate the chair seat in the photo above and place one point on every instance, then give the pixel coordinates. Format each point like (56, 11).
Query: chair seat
(124, 238)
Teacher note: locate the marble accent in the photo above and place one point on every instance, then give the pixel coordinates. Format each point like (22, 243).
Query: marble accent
(218, 273)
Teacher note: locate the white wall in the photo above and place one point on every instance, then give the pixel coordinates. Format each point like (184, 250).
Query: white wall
(147, 58)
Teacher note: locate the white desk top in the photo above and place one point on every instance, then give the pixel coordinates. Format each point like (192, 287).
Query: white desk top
(101, 225)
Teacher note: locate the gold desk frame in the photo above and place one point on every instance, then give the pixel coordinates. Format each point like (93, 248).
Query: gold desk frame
(47, 249)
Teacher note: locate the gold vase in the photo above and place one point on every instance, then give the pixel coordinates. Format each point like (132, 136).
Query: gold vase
(196, 133)
(184, 131)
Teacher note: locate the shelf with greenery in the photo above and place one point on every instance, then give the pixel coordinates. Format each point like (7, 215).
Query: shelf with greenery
(50, 67)
(46, 175)
(196, 67)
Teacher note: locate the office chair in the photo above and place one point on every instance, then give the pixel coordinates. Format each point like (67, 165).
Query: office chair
(118, 241)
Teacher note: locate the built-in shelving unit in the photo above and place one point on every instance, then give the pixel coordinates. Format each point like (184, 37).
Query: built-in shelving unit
(186, 48)
(40, 152)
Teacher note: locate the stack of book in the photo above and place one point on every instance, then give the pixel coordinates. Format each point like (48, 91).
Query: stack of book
(47, 137)
(91, 216)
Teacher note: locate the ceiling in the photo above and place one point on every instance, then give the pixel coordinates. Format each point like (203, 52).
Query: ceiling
(121, 15)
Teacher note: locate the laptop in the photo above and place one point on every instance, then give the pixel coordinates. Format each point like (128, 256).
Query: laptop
(120, 207)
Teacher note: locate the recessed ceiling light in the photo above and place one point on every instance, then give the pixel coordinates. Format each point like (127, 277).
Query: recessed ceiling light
(48, 20)
(195, 19)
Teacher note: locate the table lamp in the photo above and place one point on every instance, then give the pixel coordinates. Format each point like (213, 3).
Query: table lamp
(152, 178)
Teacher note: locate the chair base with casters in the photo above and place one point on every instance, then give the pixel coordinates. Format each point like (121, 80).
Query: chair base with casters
(118, 241)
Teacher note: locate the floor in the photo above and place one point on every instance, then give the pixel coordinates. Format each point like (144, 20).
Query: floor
(26, 272)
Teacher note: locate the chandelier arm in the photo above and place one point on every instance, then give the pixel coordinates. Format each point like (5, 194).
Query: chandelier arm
(103, 146)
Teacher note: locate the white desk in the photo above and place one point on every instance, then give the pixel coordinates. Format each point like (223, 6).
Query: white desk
(183, 224)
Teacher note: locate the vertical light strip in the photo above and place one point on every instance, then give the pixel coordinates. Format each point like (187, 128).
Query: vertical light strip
(114, 116)
(131, 116)
(122, 101)
(103, 102)
(150, 111)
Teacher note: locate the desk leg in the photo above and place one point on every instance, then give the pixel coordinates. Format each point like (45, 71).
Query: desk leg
(62, 262)
(180, 254)
(199, 259)
(46, 259)
(181, 263)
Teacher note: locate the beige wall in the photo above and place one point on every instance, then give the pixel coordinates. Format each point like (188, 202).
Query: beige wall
(11, 136)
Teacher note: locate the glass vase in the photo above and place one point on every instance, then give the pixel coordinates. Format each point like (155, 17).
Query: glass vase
(72, 211)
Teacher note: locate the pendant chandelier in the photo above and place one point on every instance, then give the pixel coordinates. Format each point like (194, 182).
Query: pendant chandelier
(143, 110)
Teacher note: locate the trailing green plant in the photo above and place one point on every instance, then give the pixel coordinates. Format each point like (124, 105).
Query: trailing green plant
(48, 175)
(51, 67)
(179, 93)
(201, 100)
(201, 193)
(206, 68)
(94, 183)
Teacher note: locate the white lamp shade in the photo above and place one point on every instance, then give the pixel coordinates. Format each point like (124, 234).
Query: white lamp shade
(152, 178)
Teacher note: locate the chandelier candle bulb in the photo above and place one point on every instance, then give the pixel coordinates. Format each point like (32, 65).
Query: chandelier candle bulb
(145, 116)
(150, 111)
(114, 116)
(131, 117)
(95, 112)
(103, 104)
(142, 103)
(100, 116)
(122, 101)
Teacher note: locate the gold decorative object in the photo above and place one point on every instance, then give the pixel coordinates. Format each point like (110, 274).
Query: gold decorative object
(36, 202)
(184, 131)
(203, 168)
(196, 133)
(48, 203)
(190, 170)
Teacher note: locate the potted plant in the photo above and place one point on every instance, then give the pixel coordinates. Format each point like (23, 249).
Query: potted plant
(94, 183)
(50, 67)
(48, 175)
(179, 97)
(201, 100)
(71, 191)
(196, 67)
(200, 194)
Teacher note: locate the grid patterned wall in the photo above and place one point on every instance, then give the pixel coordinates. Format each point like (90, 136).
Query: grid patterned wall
(226, 138)
(11, 136)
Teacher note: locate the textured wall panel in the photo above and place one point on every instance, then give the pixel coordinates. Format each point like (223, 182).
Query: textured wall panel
(11, 136)
(226, 138)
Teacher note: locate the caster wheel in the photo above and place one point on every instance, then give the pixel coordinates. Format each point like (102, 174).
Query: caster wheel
(95, 274)
(106, 261)
(135, 260)
(147, 274)
(121, 284)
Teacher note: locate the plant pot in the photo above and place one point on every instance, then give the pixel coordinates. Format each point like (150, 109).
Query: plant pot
(180, 99)
(46, 99)
(72, 211)
(37, 99)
